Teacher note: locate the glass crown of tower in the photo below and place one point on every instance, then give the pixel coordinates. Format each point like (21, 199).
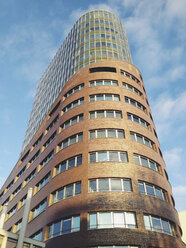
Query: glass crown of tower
(96, 36)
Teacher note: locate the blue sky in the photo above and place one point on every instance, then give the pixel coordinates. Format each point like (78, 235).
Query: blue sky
(31, 33)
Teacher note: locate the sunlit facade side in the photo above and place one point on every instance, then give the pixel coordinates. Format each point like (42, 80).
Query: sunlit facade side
(96, 36)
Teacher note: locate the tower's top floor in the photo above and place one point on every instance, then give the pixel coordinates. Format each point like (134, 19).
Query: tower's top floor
(96, 36)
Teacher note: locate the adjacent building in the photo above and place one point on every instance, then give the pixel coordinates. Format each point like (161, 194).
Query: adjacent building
(91, 152)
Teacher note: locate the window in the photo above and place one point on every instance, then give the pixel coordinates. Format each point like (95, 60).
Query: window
(146, 162)
(104, 97)
(22, 202)
(98, 220)
(105, 114)
(37, 141)
(54, 109)
(49, 141)
(38, 209)
(107, 133)
(18, 189)
(68, 164)
(66, 192)
(142, 139)
(34, 158)
(127, 74)
(108, 156)
(158, 224)
(17, 226)
(63, 226)
(52, 123)
(138, 119)
(29, 178)
(25, 156)
(130, 87)
(74, 90)
(104, 82)
(102, 69)
(152, 190)
(71, 140)
(135, 103)
(72, 121)
(20, 173)
(9, 185)
(42, 183)
(74, 104)
(12, 211)
(110, 184)
(46, 160)
(37, 235)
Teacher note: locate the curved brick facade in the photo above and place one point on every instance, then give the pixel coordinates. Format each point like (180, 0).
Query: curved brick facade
(113, 201)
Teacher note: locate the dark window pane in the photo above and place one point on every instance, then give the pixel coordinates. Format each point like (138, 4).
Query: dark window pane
(60, 194)
(103, 184)
(141, 188)
(92, 157)
(79, 160)
(71, 163)
(69, 191)
(100, 114)
(56, 230)
(113, 156)
(116, 184)
(92, 186)
(78, 188)
(150, 190)
(127, 185)
(66, 226)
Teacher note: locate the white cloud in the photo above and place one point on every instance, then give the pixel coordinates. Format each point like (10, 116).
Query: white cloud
(179, 193)
(173, 158)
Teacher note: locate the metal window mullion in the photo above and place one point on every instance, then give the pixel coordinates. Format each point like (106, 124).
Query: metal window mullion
(150, 218)
(73, 191)
(106, 133)
(97, 185)
(144, 185)
(112, 219)
(161, 225)
(122, 186)
(108, 159)
(96, 156)
(143, 140)
(97, 219)
(119, 156)
(64, 192)
(61, 225)
(110, 189)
